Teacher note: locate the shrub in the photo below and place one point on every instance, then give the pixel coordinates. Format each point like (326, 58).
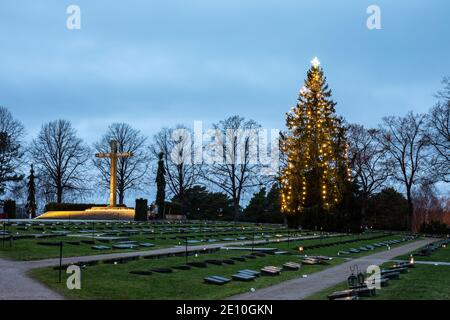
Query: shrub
(52, 206)
(141, 210)
(9, 207)
(434, 227)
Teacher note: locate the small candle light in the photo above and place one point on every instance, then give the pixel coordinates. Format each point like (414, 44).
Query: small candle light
(411, 260)
(301, 249)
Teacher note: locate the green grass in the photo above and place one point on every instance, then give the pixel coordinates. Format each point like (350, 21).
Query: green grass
(423, 282)
(333, 250)
(28, 249)
(441, 254)
(105, 281)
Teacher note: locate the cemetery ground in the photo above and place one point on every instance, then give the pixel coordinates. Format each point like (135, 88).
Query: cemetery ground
(114, 280)
(429, 279)
(40, 240)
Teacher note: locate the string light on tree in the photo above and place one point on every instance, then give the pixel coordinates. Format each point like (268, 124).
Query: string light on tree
(315, 62)
(315, 147)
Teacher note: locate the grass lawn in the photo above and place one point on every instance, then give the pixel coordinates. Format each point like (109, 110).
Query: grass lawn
(441, 254)
(423, 282)
(28, 249)
(161, 235)
(106, 281)
(333, 250)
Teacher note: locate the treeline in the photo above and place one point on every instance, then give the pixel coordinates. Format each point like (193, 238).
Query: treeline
(395, 170)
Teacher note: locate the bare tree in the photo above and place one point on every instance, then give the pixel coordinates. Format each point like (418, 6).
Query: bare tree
(368, 158)
(439, 133)
(60, 158)
(131, 171)
(11, 149)
(235, 170)
(428, 206)
(406, 142)
(176, 146)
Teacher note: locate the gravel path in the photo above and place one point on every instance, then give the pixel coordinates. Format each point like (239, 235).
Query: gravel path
(174, 250)
(16, 285)
(301, 288)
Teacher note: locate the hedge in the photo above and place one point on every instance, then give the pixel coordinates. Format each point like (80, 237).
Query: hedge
(52, 206)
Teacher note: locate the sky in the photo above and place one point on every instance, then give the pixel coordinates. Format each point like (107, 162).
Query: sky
(163, 62)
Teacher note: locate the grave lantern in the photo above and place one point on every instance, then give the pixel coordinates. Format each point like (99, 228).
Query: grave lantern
(301, 249)
(352, 281)
(361, 278)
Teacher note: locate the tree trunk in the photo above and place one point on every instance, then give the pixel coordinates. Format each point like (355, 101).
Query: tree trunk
(236, 210)
(409, 219)
(59, 194)
(363, 211)
(121, 196)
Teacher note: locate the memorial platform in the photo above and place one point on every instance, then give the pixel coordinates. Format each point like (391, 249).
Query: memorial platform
(95, 213)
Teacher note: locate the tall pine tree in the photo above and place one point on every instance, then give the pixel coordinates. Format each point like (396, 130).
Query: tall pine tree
(160, 183)
(31, 206)
(316, 150)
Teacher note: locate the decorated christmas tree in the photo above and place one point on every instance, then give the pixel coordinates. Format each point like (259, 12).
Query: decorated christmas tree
(316, 150)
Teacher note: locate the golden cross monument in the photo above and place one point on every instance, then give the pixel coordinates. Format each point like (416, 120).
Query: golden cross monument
(113, 156)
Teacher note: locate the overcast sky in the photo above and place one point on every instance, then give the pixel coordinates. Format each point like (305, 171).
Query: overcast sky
(161, 62)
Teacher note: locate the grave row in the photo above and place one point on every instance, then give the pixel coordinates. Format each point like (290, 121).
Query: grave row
(359, 286)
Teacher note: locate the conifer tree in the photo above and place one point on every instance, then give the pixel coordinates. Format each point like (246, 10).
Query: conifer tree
(316, 150)
(31, 206)
(160, 183)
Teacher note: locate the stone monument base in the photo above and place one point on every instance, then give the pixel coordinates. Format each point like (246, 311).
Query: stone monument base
(94, 213)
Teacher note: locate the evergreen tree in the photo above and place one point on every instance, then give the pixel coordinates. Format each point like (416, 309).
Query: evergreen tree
(256, 206)
(316, 151)
(273, 201)
(160, 183)
(31, 206)
(200, 204)
(388, 210)
(264, 208)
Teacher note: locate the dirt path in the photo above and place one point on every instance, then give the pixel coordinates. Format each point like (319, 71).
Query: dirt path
(301, 288)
